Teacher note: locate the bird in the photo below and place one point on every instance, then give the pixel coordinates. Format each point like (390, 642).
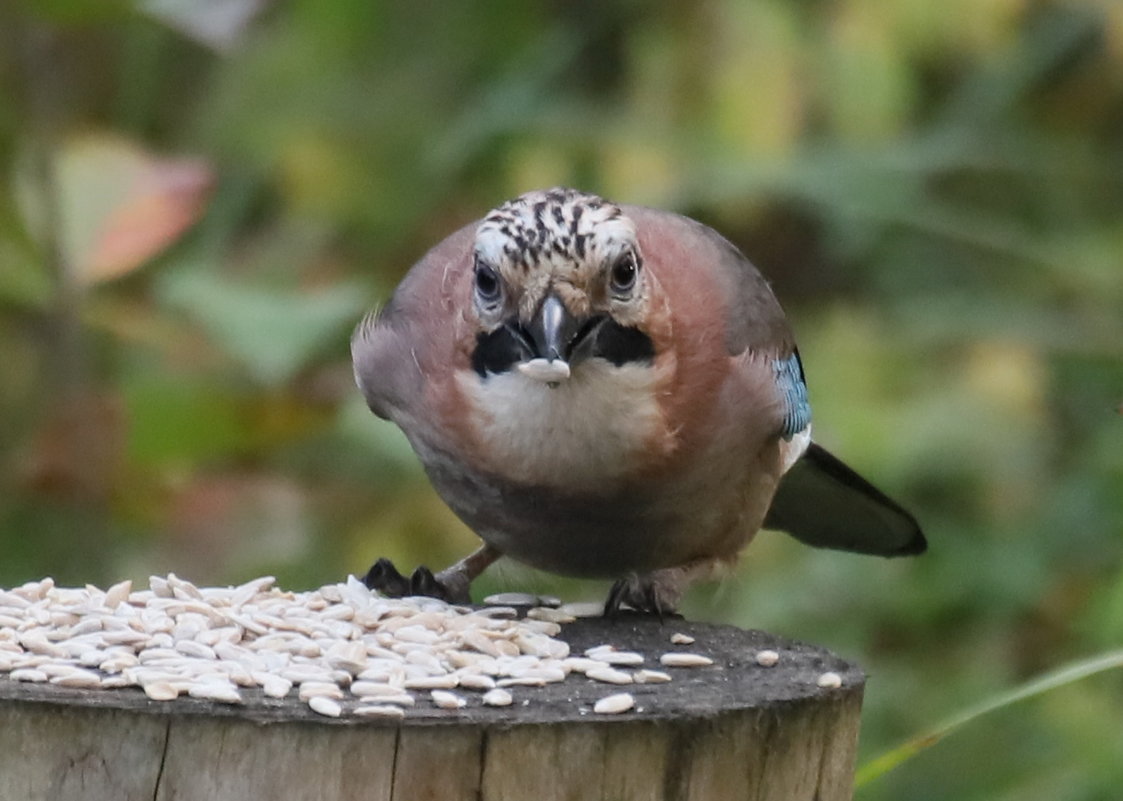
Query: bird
(612, 391)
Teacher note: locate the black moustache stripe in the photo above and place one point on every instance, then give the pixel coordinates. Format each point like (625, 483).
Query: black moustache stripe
(499, 351)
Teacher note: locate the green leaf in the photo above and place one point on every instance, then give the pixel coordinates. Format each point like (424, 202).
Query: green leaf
(23, 281)
(173, 420)
(273, 333)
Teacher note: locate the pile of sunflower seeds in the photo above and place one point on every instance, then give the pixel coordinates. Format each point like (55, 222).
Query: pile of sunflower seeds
(341, 649)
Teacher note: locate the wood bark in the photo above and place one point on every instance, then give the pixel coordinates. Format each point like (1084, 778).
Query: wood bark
(732, 730)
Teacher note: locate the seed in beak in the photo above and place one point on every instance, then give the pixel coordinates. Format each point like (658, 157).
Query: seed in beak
(548, 371)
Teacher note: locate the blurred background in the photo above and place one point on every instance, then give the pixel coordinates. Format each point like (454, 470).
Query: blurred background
(199, 199)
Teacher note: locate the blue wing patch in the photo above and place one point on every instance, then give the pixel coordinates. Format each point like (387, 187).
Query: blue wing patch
(793, 390)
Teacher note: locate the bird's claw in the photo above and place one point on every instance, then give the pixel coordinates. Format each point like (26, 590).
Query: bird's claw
(385, 578)
(638, 594)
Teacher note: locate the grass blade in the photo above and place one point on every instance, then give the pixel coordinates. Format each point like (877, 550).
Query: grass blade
(1060, 677)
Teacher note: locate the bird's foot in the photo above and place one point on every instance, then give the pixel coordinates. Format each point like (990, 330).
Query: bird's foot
(450, 585)
(645, 594)
(658, 592)
(384, 577)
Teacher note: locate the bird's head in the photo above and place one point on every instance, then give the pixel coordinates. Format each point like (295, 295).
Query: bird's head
(558, 278)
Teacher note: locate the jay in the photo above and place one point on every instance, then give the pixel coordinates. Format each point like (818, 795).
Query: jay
(605, 390)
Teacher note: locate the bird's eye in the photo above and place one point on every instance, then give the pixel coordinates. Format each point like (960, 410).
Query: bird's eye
(624, 272)
(487, 283)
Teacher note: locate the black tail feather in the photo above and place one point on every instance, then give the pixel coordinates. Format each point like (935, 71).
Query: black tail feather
(824, 503)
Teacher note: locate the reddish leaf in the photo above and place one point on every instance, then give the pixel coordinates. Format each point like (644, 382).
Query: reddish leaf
(119, 205)
(165, 199)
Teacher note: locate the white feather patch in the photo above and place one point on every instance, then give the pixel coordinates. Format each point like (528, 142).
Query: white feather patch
(792, 449)
(596, 427)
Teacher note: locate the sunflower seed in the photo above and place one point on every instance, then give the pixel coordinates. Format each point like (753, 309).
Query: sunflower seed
(447, 700)
(497, 697)
(830, 681)
(650, 677)
(322, 705)
(685, 660)
(161, 691)
(477, 641)
(445, 681)
(176, 638)
(118, 594)
(614, 704)
(405, 699)
(27, 674)
(609, 675)
(581, 664)
(522, 681)
(547, 627)
(272, 685)
(349, 656)
(549, 615)
(512, 599)
(223, 692)
(475, 681)
(77, 677)
(321, 689)
(621, 658)
(374, 688)
(583, 609)
(38, 644)
(767, 658)
(196, 649)
(379, 711)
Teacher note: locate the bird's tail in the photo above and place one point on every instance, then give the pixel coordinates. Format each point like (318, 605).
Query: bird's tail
(822, 502)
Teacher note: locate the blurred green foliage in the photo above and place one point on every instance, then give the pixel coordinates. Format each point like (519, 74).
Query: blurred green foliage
(198, 201)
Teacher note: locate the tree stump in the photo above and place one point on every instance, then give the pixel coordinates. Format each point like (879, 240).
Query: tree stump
(735, 729)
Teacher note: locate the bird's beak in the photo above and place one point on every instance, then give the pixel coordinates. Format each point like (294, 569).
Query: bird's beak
(553, 332)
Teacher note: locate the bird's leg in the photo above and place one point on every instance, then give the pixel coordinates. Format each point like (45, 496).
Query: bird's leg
(457, 577)
(658, 592)
(450, 584)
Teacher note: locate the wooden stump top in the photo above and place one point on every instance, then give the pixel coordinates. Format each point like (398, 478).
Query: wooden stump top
(734, 729)
(734, 682)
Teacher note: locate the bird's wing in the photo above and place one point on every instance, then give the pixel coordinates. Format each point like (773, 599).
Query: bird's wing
(405, 354)
(822, 502)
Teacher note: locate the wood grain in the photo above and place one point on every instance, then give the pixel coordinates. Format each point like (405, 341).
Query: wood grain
(732, 730)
